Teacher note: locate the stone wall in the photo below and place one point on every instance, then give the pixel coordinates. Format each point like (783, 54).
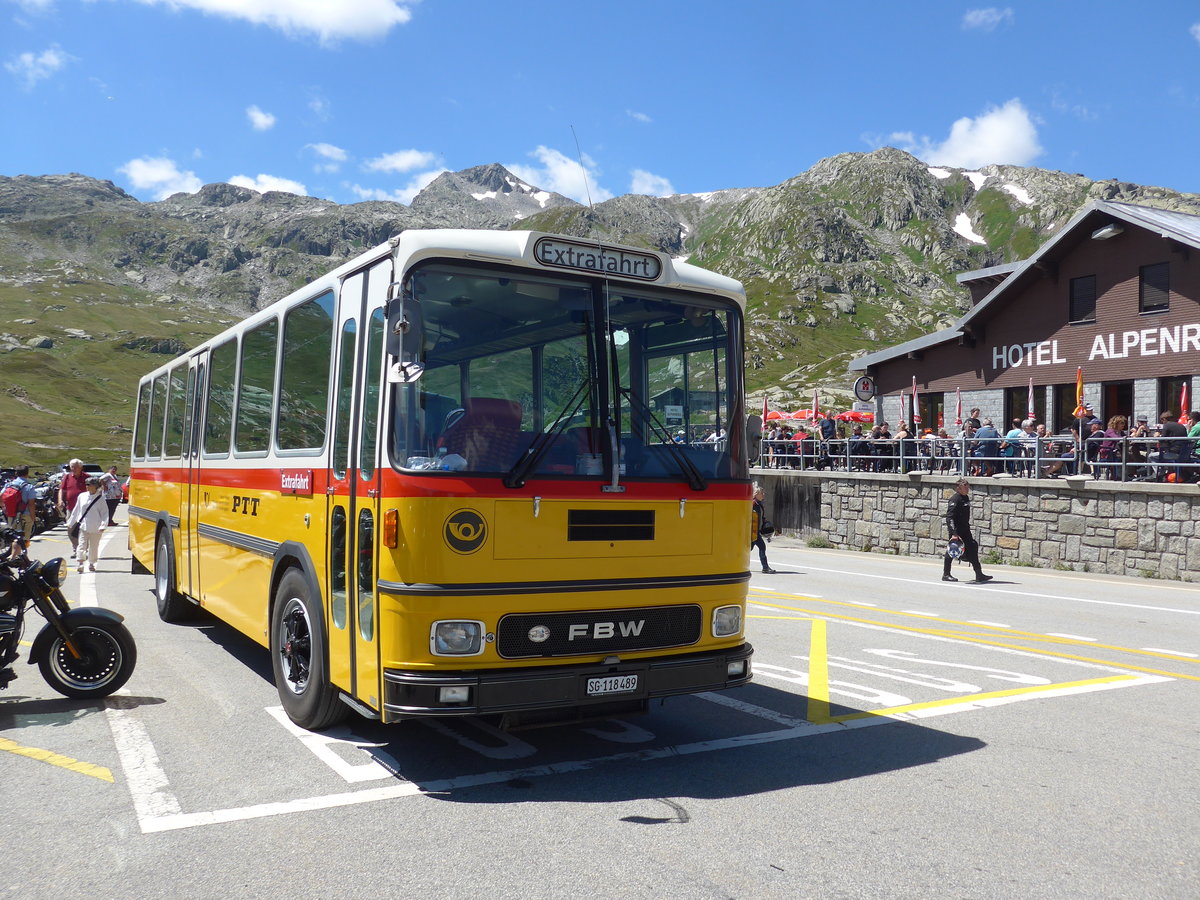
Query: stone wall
(1149, 530)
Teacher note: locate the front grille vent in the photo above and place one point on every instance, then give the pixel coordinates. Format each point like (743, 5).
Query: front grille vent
(610, 525)
(598, 631)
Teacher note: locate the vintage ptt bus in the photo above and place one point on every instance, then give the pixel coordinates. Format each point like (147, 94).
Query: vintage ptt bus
(449, 478)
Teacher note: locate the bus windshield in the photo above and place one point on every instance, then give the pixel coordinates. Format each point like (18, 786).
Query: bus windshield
(532, 376)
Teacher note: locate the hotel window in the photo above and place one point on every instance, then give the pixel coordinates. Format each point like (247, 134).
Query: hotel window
(1154, 292)
(1083, 299)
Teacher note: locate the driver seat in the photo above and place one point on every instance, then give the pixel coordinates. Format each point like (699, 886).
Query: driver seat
(488, 436)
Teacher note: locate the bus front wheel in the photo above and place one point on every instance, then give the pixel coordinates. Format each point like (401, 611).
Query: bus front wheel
(298, 657)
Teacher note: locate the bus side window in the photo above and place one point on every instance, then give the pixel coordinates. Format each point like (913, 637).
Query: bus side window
(142, 425)
(342, 400)
(256, 389)
(219, 412)
(304, 381)
(337, 565)
(369, 438)
(177, 396)
(366, 574)
(158, 408)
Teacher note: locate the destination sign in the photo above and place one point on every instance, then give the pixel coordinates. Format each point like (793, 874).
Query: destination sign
(596, 258)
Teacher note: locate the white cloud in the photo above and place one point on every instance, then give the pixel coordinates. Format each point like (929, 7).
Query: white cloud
(321, 107)
(160, 175)
(1005, 134)
(333, 156)
(34, 6)
(34, 67)
(987, 19)
(563, 175)
(405, 194)
(401, 161)
(330, 22)
(638, 116)
(264, 183)
(644, 182)
(262, 121)
(1195, 32)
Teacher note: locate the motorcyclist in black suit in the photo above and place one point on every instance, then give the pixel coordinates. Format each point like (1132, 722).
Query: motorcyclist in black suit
(958, 524)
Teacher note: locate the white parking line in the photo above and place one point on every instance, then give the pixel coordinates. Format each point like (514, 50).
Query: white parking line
(1172, 652)
(993, 588)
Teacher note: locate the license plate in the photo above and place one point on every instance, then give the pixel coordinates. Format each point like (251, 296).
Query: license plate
(612, 684)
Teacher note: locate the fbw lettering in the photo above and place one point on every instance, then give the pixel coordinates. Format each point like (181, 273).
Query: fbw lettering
(247, 506)
(600, 630)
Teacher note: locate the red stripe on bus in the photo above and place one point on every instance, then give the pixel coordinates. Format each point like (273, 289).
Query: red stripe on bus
(395, 484)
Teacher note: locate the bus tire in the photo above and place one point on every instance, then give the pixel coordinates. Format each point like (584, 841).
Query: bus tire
(298, 656)
(172, 605)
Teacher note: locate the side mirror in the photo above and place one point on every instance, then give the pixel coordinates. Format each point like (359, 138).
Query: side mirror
(405, 330)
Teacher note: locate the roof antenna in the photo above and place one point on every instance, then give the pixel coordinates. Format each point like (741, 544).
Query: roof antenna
(582, 169)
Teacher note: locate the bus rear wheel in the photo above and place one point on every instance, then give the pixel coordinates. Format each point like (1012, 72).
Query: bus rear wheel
(298, 657)
(172, 605)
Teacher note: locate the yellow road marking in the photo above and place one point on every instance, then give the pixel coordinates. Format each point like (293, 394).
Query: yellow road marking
(975, 698)
(818, 675)
(57, 759)
(980, 637)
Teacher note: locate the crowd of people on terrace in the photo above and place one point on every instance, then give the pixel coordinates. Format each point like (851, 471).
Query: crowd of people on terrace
(1165, 451)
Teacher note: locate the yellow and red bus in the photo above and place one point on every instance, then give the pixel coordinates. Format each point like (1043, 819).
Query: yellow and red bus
(454, 477)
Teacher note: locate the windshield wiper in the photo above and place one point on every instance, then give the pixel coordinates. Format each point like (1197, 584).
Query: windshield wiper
(687, 468)
(536, 450)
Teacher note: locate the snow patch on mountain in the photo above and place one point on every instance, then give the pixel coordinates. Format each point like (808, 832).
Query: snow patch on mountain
(977, 179)
(962, 225)
(1020, 193)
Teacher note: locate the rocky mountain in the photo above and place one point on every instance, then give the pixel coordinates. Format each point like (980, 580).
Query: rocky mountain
(856, 253)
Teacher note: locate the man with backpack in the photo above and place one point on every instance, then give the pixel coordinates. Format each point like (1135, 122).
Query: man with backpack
(18, 498)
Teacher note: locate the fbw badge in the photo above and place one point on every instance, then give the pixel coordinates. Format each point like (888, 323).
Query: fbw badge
(465, 531)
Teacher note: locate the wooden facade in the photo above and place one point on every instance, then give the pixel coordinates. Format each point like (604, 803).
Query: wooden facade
(1134, 357)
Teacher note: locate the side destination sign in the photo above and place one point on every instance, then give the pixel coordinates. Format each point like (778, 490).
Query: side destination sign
(597, 258)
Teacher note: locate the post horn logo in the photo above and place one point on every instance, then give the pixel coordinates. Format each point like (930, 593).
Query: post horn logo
(465, 531)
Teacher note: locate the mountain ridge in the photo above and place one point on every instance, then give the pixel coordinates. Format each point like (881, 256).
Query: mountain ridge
(855, 253)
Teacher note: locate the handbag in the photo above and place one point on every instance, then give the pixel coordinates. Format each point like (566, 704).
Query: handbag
(767, 527)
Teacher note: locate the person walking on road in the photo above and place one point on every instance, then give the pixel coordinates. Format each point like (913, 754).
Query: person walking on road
(72, 486)
(87, 519)
(958, 524)
(110, 485)
(760, 519)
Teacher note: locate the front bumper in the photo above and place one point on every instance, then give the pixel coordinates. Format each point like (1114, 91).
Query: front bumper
(564, 687)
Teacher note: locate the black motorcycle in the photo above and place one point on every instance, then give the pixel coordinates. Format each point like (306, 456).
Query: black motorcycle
(84, 652)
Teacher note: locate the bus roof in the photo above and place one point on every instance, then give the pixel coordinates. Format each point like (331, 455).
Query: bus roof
(510, 247)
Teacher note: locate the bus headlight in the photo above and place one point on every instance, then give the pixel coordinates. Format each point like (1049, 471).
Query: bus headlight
(726, 620)
(456, 638)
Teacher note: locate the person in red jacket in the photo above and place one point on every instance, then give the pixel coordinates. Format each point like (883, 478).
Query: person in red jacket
(73, 484)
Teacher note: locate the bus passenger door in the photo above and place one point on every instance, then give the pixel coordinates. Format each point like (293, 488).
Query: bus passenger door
(352, 605)
(367, 527)
(339, 626)
(189, 570)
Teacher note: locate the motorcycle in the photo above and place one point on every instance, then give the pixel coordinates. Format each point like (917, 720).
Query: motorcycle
(46, 512)
(85, 652)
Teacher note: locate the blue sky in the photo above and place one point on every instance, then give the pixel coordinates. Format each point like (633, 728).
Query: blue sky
(369, 99)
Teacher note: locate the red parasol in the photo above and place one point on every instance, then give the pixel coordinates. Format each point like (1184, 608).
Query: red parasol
(854, 415)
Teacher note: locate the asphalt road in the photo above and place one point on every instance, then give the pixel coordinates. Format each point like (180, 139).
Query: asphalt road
(1034, 737)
